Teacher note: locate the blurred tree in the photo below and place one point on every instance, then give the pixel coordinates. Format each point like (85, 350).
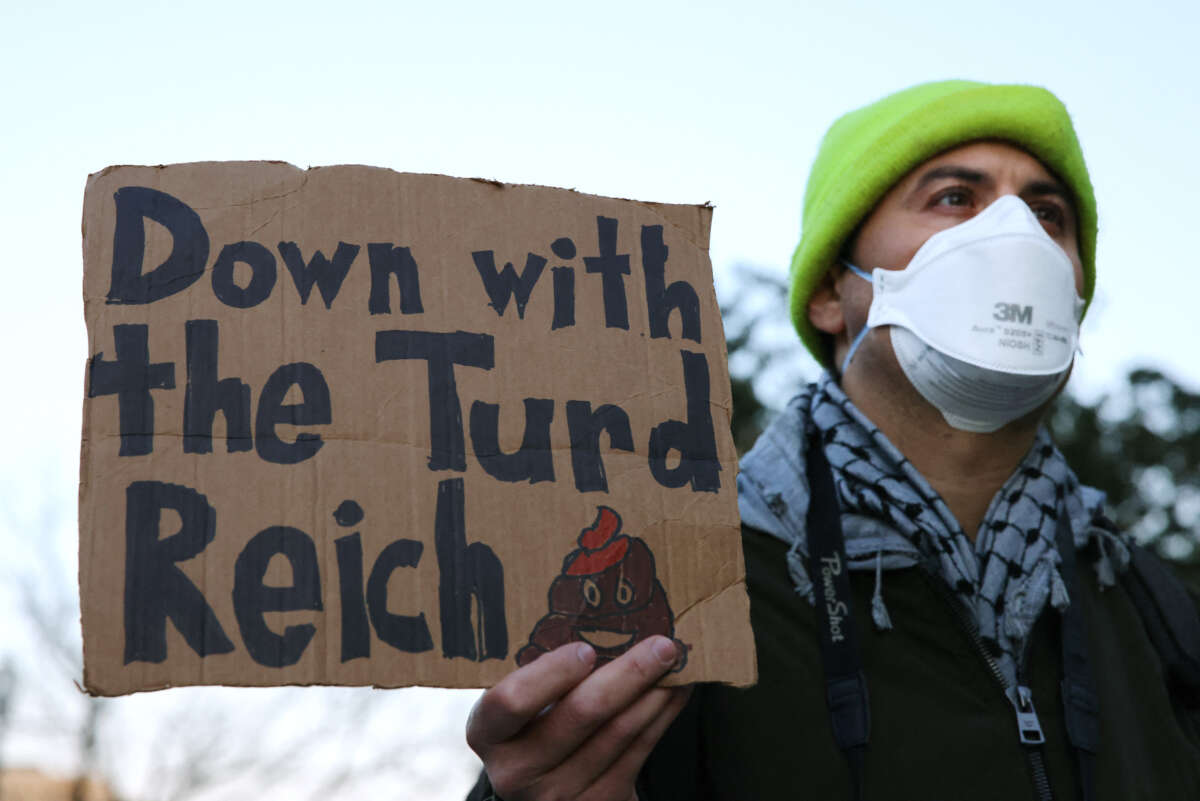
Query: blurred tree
(764, 352)
(1139, 443)
(749, 415)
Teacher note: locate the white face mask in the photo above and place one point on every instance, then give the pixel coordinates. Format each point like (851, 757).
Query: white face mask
(985, 317)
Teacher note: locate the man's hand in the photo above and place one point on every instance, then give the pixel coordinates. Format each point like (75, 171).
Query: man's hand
(554, 729)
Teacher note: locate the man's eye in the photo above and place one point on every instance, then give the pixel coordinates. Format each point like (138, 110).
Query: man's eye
(1049, 214)
(953, 197)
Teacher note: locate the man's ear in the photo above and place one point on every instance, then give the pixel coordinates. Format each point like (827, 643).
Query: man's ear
(825, 305)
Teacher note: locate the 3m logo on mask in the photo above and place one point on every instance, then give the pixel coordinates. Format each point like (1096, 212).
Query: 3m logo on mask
(1013, 313)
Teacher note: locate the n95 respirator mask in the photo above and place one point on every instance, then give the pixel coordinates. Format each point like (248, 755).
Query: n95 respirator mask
(984, 319)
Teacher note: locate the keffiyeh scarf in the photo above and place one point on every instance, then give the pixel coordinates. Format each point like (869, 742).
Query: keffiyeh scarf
(1003, 580)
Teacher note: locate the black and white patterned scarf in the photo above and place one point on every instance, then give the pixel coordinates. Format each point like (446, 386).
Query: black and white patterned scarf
(1005, 579)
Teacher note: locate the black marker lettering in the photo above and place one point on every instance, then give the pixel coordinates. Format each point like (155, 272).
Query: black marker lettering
(356, 634)
(465, 571)
(441, 352)
(695, 439)
(585, 427)
(327, 275)
(251, 598)
(206, 395)
(313, 410)
(131, 377)
(386, 261)
(189, 246)
(408, 633)
(534, 461)
(155, 588)
(262, 275)
(611, 266)
(505, 284)
(662, 299)
(564, 297)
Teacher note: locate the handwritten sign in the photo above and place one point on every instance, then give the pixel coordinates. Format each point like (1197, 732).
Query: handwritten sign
(352, 426)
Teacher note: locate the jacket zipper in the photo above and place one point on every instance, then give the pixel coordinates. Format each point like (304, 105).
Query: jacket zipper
(1029, 727)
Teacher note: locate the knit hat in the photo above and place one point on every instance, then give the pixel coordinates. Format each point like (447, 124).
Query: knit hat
(867, 151)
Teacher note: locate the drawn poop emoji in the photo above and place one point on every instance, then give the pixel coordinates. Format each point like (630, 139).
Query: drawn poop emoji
(607, 596)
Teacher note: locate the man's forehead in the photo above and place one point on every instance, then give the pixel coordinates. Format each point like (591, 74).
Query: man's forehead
(982, 161)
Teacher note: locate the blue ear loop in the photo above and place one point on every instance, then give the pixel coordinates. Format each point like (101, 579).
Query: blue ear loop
(861, 273)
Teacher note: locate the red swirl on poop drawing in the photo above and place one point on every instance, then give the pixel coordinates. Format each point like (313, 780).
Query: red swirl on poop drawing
(608, 596)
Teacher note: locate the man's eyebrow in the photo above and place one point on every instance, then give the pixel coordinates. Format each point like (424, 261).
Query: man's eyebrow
(951, 171)
(1043, 188)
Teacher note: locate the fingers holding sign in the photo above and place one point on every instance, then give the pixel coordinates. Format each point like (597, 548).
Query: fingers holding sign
(556, 729)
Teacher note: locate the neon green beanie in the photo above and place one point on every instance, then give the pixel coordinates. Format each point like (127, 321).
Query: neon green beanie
(867, 151)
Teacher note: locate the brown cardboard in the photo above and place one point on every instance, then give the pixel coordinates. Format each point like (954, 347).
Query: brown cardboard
(388, 525)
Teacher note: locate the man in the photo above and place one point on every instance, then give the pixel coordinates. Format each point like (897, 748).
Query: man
(935, 666)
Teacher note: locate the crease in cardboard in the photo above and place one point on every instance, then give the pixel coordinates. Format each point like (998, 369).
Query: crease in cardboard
(616, 455)
(739, 584)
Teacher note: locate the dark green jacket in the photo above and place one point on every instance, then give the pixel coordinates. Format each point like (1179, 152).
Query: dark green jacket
(941, 726)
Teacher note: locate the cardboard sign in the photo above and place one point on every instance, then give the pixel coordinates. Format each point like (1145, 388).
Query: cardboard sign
(351, 426)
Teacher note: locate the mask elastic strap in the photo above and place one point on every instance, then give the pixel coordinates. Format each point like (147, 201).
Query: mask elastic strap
(861, 273)
(853, 347)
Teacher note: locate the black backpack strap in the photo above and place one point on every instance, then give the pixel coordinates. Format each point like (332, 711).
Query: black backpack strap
(845, 684)
(1080, 704)
(1172, 622)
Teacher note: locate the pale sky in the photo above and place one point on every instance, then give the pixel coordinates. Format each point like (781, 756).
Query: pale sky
(670, 101)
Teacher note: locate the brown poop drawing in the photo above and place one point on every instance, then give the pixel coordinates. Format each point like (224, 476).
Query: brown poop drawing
(608, 596)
